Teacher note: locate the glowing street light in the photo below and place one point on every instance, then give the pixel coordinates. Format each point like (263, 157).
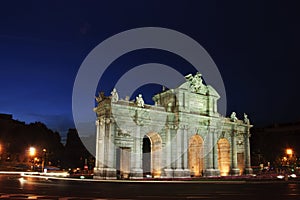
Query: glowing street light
(32, 151)
(0, 152)
(289, 152)
(43, 160)
(285, 158)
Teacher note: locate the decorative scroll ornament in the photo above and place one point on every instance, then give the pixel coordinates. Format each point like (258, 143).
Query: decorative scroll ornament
(123, 133)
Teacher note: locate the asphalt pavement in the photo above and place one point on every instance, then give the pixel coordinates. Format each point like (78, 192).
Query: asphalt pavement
(34, 187)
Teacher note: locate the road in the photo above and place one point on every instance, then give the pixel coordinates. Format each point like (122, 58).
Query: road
(15, 187)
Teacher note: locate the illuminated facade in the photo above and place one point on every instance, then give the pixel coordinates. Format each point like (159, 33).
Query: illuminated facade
(182, 135)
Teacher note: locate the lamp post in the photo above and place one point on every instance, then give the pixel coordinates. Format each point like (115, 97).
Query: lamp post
(289, 152)
(0, 152)
(32, 152)
(291, 159)
(43, 159)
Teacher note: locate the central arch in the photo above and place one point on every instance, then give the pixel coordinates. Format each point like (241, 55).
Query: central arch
(152, 148)
(196, 155)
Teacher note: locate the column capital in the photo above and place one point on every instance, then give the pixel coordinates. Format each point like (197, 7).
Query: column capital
(172, 126)
(101, 121)
(109, 120)
(183, 126)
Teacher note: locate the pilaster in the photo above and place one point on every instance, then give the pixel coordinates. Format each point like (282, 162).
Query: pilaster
(248, 169)
(210, 169)
(186, 170)
(215, 153)
(178, 172)
(109, 170)
(168, 170)
(105, 150)
(136, 170)
(234, 170)
(170, 144)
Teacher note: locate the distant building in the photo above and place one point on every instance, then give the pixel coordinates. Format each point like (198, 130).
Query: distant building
(270, 143)
(182, 135)
(6, 116)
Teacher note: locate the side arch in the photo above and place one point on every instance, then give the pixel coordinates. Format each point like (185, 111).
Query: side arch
(224, 156)
(152, 157)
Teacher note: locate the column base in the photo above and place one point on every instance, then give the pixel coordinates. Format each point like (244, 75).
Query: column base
(168, 173)
(248, 171)
(136, 173)
(187, 173)
(211, 172)
(105, 173)
(178, 173)
(111, 173)
(235, 172)
(98, 173)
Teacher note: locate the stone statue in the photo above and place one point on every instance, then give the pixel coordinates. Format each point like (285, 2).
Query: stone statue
(195, 81)
(114, 95)
(100, 97)
(233, 117)
(246, 119)
(169, 109)
(140, 101)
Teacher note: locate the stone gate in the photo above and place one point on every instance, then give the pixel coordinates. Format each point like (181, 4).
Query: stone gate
(182, 135)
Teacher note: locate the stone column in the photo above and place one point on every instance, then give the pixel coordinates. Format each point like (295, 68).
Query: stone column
(234, 170)
(248, 169)
(186, 170)
(98, 170)
(102, 147)
(209, 169)
(111, 172)
(97, 163)
(178, 171)
(168, 170)
(215, 154)
(105, 143)
(137, 171)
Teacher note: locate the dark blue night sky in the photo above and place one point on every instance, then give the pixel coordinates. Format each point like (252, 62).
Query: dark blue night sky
(255, 45)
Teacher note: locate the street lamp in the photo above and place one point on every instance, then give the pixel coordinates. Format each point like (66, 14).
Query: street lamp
(32, 152)
(43, 159)
(0, 152)
(289, 152)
